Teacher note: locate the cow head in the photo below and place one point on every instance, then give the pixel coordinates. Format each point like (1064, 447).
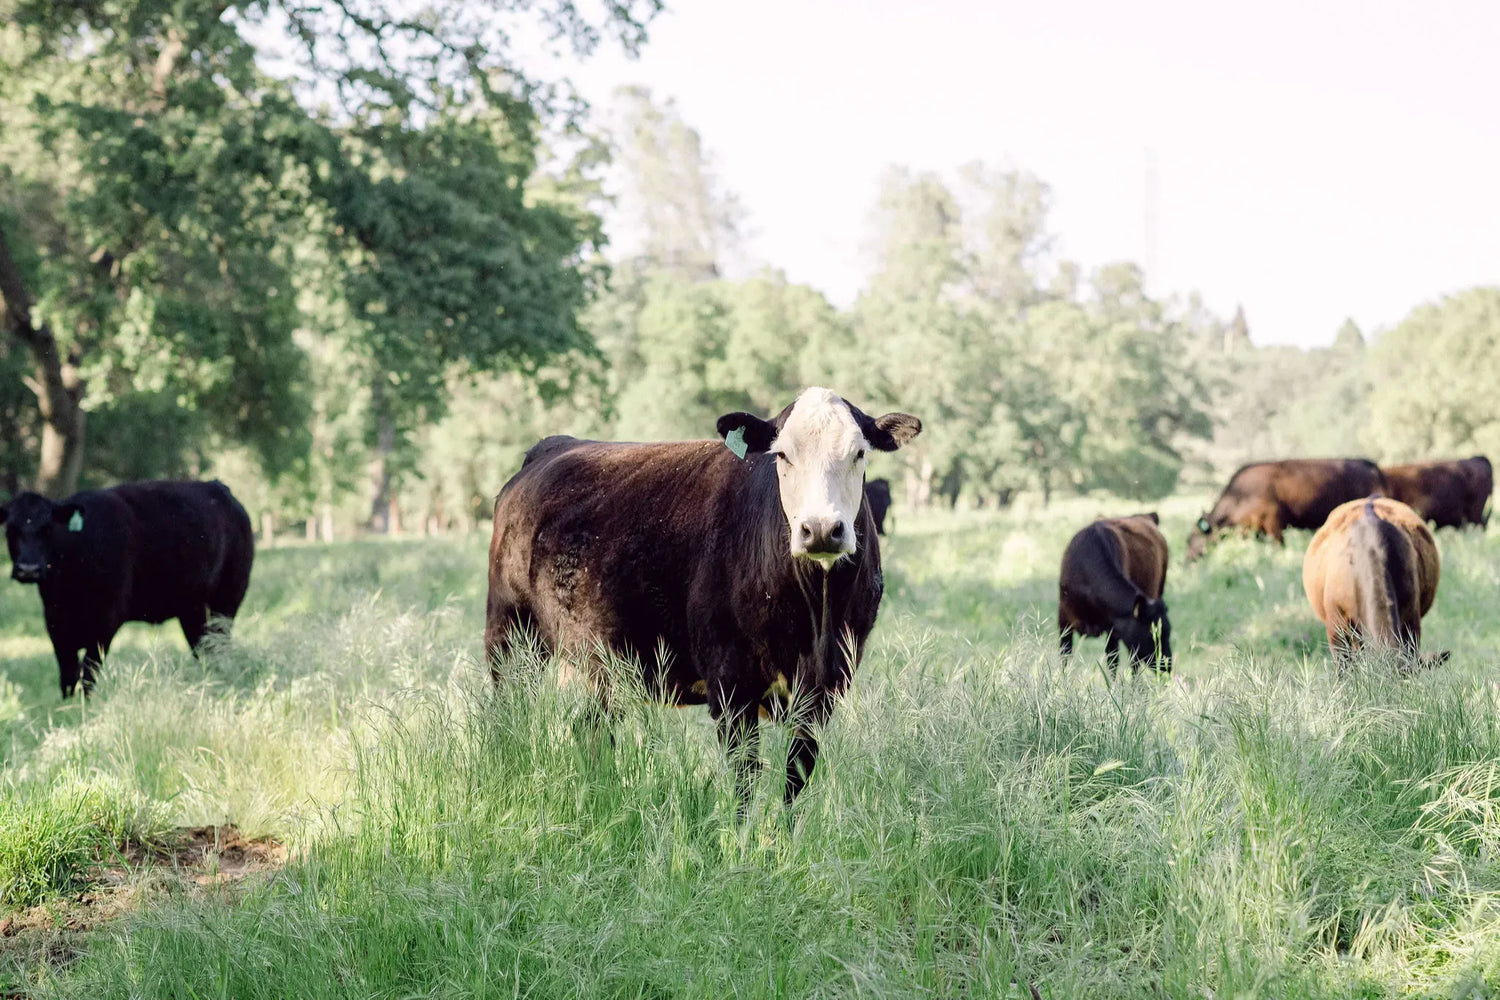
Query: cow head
(32, 525)
(1143, 629)
(822, 444)
(1198, 539)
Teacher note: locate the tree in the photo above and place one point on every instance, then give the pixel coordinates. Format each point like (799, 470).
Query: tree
(679, 217)
(159, 181)
(1434, 378)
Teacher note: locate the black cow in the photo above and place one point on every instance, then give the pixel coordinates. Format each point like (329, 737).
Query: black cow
(879, 493)
(1111, 583)
(1449, 494)
(139, 552)
(733, 574)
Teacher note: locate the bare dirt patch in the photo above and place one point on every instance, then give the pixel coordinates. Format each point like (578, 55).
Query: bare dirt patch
(195, 860)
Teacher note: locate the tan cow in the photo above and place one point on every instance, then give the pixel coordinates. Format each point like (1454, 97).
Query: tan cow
(1371, 573)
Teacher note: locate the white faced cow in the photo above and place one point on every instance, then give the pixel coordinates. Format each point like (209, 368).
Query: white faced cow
(733, 570)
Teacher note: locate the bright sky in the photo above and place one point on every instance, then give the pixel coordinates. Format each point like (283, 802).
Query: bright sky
(1315, 160)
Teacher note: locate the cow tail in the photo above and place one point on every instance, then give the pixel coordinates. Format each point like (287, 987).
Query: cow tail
(1377, 605)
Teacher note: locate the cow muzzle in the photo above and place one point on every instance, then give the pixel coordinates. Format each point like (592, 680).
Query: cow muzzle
(824, 539)
(28, 572)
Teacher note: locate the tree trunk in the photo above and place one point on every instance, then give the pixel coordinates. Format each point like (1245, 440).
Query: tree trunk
(59, 390)
(268, 529)
(380, 469)
(327, 522)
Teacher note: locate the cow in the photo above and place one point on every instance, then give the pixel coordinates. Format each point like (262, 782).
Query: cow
(1265, 498)
(138, 552)
(1371, 573)
(732, 575)
(878, 493)
(1111, 582)
(1449, 494)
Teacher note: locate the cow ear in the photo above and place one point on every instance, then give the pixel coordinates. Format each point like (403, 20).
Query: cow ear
(1154, 518)
(893, 430)
(4, 512)
(754, 433)
(62, 513)
(1139, 611)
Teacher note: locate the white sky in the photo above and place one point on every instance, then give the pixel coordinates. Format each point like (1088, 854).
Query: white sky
(1315, 160)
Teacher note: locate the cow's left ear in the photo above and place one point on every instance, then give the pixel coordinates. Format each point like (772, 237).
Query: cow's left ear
(1154, 519)
(757, 434)
(893, 430)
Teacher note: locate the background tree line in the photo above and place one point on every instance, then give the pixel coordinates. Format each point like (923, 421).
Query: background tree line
(359, 291)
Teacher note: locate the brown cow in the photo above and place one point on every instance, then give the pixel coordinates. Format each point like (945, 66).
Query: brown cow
(1111, 581)
(1265, 498)
(1371, 573)
(1449, 494)
(734, 574)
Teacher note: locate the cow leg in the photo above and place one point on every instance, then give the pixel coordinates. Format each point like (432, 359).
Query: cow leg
(739, 731)
(94, 652)
(194, 626)
(802, 754)
(1112, 655)
(1341, 644)
(66, 651)
(1064, 641)
(501, 625)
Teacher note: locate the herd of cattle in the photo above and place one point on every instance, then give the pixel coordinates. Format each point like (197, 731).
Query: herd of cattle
(1371, 571)
(744, 573)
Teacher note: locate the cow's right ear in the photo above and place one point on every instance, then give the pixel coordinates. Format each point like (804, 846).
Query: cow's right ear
(757, 434)
(63, 513)
(1154, 519)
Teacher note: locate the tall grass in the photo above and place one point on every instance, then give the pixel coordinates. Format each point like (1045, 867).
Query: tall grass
(983, 819)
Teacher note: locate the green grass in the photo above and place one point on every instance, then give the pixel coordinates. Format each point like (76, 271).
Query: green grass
(983, 819)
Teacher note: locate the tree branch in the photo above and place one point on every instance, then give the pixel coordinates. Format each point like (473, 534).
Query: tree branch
(164, 63)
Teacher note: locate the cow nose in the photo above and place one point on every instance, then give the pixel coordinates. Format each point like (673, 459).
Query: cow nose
(821, 535)
(26, 572)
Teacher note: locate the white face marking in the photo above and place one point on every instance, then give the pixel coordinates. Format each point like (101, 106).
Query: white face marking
(820, 466)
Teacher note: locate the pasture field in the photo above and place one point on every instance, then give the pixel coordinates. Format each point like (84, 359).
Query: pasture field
(984, 821)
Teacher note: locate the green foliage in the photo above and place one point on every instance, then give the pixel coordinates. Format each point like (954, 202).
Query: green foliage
(1433, 380)
(1068, 387)
(48, 838)
(163, 191)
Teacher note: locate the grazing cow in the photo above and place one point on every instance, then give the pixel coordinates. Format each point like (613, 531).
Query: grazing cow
(733, 574)
(1449, 494)
(139, 552)
(1267, 497)
(1111, 582)
(1371, 573)
(878, 492)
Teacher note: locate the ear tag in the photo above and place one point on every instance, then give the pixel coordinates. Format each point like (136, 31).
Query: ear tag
(735, 440)
(1203, 525)
(75, 523)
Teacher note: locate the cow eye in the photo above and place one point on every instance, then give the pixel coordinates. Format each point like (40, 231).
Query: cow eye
(859, 456)
(781, 456)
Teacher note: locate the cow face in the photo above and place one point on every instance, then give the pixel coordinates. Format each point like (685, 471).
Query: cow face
(1198, 539)
(821, 444)
(1146, 633)
(32, 524)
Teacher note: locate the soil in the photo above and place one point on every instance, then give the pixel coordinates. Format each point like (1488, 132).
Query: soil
(196, 860)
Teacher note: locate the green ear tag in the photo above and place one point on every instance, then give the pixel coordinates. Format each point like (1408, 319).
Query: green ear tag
(735, 439)
(75, 523)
